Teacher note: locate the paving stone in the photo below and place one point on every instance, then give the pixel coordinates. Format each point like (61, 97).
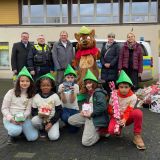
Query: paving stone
(69, 146)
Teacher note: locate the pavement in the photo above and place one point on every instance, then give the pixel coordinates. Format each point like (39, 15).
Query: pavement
(69, 146)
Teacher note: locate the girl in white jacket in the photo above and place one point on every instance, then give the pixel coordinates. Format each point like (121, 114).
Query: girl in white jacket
(16, 108)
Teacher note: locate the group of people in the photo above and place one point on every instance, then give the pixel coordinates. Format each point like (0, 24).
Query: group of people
(41, 58)
(35, 107)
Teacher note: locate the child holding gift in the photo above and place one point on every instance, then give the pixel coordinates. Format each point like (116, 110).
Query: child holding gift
(68, 92)
(16, 108)
(94, 114)
(46, 108)
(124, 113)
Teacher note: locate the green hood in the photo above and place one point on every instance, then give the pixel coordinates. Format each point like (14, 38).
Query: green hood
(124, 78)
(84, 30)
(70, 70)
(24, 72)
(48, 75)
(90, 76)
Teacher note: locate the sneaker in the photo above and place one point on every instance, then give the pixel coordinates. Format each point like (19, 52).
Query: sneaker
(138, 141)
(42, 133)
(10, 140)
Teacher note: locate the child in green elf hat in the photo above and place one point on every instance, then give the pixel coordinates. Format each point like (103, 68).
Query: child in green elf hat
(126, 101)
(68, 92)
(46, 108)
(94, 112)
(16, 108)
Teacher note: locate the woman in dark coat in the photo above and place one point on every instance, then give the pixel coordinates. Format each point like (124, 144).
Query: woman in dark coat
(109, 61)
(131, 59)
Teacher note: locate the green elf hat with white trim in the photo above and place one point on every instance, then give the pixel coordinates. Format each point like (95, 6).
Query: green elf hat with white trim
(48, 75)
(24, 72)
(90, 76)
(70, 70)
(84, 30)
(123, 78)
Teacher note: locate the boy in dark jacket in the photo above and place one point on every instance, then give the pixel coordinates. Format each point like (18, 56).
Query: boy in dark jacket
(93, 114)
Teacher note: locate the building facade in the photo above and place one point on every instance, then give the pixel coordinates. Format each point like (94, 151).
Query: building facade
(49, 17)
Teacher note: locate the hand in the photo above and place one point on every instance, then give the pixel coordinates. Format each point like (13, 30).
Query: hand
(16, 123)
(32, 73)
(48, 126)
(122, 122)
(14, 71)
(86, 114)
(139, 74)
(52, 72)
(72, 89)
(62, 89)
(107, 65)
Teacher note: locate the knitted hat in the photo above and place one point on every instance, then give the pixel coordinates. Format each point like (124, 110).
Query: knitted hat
(84, 30)
(24, 72)
(90, 76)
(124, 78)
(48, 75)
(70, 70)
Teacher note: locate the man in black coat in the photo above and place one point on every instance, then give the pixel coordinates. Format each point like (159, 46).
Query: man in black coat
(20, 52)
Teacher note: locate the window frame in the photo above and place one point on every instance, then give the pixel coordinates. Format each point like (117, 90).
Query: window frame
(131, 15)
(44, 15)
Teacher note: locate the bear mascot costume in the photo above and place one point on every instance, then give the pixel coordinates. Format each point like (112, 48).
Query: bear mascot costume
(86, 55)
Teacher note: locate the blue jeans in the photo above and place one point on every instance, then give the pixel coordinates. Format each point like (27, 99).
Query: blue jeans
(65, 116)
(29, 131)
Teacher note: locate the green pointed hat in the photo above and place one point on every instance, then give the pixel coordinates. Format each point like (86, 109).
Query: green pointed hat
(24, 72)
(70, 70)
(90, 76)
(124, 78)
(48, 75)
(84, 30)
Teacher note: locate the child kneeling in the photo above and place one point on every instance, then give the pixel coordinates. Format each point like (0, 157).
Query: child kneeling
(46, 108)
(16, 108)
(68, 92)
(128, 115)
(94, 114)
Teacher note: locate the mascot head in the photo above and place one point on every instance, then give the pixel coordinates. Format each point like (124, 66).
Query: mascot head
(85, 38)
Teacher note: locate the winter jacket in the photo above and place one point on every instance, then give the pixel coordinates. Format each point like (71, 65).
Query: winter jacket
(100, 115)
(110, 56)
(43, 50)
(137, 58)
(62, 56)
(19, 56)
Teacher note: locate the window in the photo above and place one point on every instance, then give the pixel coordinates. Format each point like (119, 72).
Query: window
(4, 55)
(44, 12)
(140, 11)
(95, 11)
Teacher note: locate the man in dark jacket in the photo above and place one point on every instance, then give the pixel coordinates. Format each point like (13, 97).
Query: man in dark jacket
(20, 52)
(109, 61)
(40, 59)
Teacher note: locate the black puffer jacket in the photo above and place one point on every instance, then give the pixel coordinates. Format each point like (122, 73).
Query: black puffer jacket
(111, 56)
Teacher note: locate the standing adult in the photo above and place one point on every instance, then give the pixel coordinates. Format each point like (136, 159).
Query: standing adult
(131, 59)
(63, 55)
(109, 61)
(40, 58)
(20, 52)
